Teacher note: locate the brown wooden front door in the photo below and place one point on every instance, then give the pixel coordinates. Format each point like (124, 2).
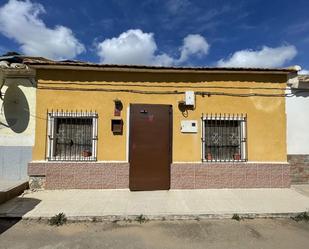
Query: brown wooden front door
(150, 146)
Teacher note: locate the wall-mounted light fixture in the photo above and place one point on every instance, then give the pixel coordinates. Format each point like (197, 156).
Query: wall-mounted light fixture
(182, 105)
(118, 107)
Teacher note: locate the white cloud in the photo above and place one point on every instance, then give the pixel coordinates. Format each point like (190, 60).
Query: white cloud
(266, 57)
(139, 48)
(193, 45)
(132, 47)
(303, 71)
(19, 20)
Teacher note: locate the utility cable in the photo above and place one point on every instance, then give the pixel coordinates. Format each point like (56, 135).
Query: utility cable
(202, 93)
(163, 86)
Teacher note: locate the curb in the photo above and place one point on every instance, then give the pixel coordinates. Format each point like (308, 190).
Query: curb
(12, 192)
(168, 217)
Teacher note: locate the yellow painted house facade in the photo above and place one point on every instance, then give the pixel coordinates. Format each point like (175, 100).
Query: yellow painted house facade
(149, 128)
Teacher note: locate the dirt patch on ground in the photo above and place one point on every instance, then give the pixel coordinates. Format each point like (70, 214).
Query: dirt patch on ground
(257, 233)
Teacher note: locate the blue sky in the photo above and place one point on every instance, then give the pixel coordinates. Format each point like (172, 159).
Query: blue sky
(160, 32)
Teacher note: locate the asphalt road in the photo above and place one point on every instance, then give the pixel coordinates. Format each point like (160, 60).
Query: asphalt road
(257, 233)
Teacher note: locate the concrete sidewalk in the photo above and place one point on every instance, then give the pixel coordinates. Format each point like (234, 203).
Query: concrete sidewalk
(121, 204)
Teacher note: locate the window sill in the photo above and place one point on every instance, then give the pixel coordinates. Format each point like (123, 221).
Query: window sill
(231, 161)
(87, 159)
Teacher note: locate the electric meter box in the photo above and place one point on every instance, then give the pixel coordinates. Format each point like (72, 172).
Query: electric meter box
(190, 98)
(189, 126)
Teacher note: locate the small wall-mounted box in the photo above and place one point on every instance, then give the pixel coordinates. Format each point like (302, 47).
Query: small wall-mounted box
(189, 126)
(190, 98)
(117, 126)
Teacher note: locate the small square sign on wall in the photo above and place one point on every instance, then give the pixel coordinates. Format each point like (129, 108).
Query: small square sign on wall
(189, 126)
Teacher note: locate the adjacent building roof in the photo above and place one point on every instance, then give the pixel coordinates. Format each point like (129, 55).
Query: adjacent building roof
(304, 78)
(40, 62)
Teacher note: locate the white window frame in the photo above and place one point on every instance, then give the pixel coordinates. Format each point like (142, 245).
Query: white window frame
(51, 123)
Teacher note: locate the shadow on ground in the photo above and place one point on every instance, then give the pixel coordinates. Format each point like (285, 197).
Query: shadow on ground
(7, 223)
(11, 212)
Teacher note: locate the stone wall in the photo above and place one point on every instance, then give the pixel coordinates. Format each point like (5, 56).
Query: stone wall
(299, 168)
(37, 182)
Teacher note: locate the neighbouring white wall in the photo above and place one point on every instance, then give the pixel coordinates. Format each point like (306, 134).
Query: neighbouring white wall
(17, 125)
(297, 109)
(17, 113)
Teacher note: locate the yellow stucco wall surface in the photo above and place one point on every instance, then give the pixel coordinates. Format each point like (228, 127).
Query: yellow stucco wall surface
(85, 90)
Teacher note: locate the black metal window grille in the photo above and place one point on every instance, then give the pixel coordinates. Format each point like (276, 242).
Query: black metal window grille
(224, 137)
(72, 136)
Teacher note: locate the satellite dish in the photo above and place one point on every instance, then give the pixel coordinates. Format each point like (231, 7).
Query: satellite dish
(16, 109)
